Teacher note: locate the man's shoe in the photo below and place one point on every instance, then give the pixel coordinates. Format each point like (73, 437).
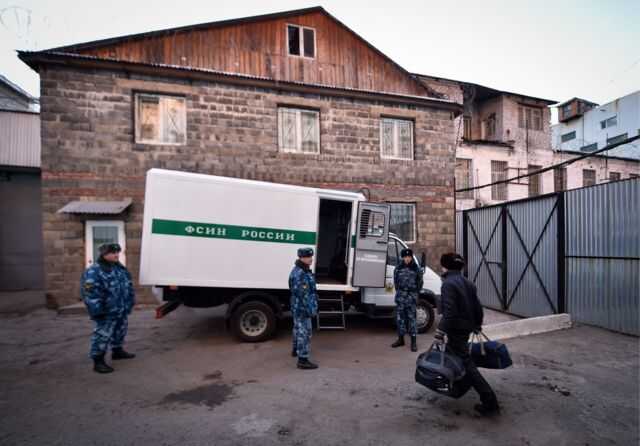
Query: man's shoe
(99, 366)
(119, 353)
(414, 344)
(304, 363)
(398, 343)
(294, 353)
(487, 411)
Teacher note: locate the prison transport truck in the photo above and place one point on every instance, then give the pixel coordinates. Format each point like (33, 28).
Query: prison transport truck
(211, 240)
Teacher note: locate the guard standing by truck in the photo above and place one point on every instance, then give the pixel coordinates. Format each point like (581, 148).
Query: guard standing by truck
(304, 306)
(462, 314)
(107, 291)
(407, 278)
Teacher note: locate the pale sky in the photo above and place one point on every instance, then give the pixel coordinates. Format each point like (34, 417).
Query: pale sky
(551, 49)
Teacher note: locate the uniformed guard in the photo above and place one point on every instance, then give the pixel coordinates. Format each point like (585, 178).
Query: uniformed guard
(407, 279)
(107, 290)
(304, 306)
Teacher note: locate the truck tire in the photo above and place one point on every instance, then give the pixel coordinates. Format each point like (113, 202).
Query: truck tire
(424, 316)
(253, 322)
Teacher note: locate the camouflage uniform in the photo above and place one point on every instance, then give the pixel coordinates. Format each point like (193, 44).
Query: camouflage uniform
(107, 291)
(408, 282)
(304, 305)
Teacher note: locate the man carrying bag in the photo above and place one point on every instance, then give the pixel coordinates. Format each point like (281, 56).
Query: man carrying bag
(462, 315)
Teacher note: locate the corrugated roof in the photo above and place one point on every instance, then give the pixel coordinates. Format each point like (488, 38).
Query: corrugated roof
(96, 207)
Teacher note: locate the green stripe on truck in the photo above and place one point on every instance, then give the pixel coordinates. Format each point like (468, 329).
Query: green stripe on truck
(248, 233)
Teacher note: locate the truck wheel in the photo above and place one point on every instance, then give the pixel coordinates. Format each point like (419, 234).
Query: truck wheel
(424, 316)
(253, 322)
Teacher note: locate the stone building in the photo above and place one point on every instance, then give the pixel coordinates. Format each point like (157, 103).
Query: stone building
(294, 97)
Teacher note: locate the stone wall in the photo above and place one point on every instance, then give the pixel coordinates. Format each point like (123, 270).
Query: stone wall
(89, 152)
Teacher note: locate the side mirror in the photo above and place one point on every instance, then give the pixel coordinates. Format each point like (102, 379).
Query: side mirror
(423, 260)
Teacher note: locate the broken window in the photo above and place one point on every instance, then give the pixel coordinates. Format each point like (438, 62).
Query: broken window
(298, 130)
(396, 138)
(301, 41)
(160, 119)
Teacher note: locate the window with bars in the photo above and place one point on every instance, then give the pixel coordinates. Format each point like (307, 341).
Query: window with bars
(535, 186)
(402, 221)
(529, 117)
(464, 177)
(396, 138)
(160, 119)
(588, 177)
(298, 130)
(499, 173)
(614, 176)
(466, 127)
(301, 41)
(559, 179)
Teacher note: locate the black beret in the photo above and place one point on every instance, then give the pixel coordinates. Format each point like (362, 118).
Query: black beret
(452, 261)
(305, 252)
(406, 253)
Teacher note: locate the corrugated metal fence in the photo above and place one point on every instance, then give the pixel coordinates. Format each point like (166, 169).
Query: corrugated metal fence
(575, 252)
(20, 142)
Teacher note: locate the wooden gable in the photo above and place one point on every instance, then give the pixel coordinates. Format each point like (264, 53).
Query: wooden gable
(258, 47)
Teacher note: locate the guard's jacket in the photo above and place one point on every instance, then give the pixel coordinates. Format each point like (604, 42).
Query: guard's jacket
(408, 278)
(304, 296)
(107, 290)
(461, 309)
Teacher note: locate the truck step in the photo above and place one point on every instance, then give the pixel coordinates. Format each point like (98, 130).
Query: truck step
(331, 314)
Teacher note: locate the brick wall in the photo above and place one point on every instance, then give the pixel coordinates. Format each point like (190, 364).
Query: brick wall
(88, 152)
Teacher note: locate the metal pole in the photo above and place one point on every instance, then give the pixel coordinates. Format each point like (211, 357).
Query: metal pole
(562, 298)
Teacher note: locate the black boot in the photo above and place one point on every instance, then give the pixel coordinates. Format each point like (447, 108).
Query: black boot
(304, 363)
(487, 410)
(414, 344)
(399, 342)
(99, 366)
(120, 353)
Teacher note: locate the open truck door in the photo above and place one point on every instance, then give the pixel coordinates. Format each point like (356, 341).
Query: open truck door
(371, 245)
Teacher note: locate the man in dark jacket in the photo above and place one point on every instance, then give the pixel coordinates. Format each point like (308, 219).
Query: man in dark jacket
(304, 306)
(107, 291)
(407, 278)
(462, 315)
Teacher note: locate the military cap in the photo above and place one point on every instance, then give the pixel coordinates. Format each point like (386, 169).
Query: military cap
(406, 253)
(452, 260)
(108, 248)
(305, 252)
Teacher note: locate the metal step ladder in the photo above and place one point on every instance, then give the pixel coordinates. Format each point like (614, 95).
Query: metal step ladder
(331, 314)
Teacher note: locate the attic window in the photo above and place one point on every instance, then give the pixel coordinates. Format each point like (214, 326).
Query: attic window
(301, 41)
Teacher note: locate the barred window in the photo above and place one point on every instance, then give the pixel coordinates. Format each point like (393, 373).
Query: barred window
(535, 188)
(298, 130)
(588, 177)
(614, 176)
(529, 117)
(402, 221)
(160, 119)
(396, 138)
(498, 173)
(464, 177)
(559, 179)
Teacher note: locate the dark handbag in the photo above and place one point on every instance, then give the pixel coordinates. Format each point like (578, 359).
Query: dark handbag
(488, 354)
(442, 372)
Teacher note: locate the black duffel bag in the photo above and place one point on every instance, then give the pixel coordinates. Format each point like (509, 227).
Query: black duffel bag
(442, 372)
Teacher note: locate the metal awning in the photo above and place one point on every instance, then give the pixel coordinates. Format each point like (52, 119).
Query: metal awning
(95, 207)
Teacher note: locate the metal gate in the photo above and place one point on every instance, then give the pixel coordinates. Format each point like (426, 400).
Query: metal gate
(513, 252)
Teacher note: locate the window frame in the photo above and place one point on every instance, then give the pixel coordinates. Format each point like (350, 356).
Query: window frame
(299, 111)
(525, 111)
(617, 175)
(466, 128)
(396, 137)
(414, 216)
(606, 123)
(538, 181)
(496, 188)
(559, 176)
(468, 195)
(618, 138)
(301, 29)
(138, 119)
(565, 136)
(589, 147)
(88, 239)
(595, 177)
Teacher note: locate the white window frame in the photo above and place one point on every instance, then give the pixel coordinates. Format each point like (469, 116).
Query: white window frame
(301, 41)
(138, 119)
(396, 138)
(414, 207)
(468, 195)
(298, 148)
(88, 238)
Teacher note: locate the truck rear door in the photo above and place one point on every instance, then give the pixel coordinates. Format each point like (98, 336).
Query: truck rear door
(371, 245)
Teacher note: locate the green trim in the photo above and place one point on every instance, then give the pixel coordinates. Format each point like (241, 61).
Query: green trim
(353, 241)
(248, 233)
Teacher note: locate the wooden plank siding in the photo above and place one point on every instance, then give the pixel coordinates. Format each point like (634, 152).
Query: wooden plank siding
(260, 49)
